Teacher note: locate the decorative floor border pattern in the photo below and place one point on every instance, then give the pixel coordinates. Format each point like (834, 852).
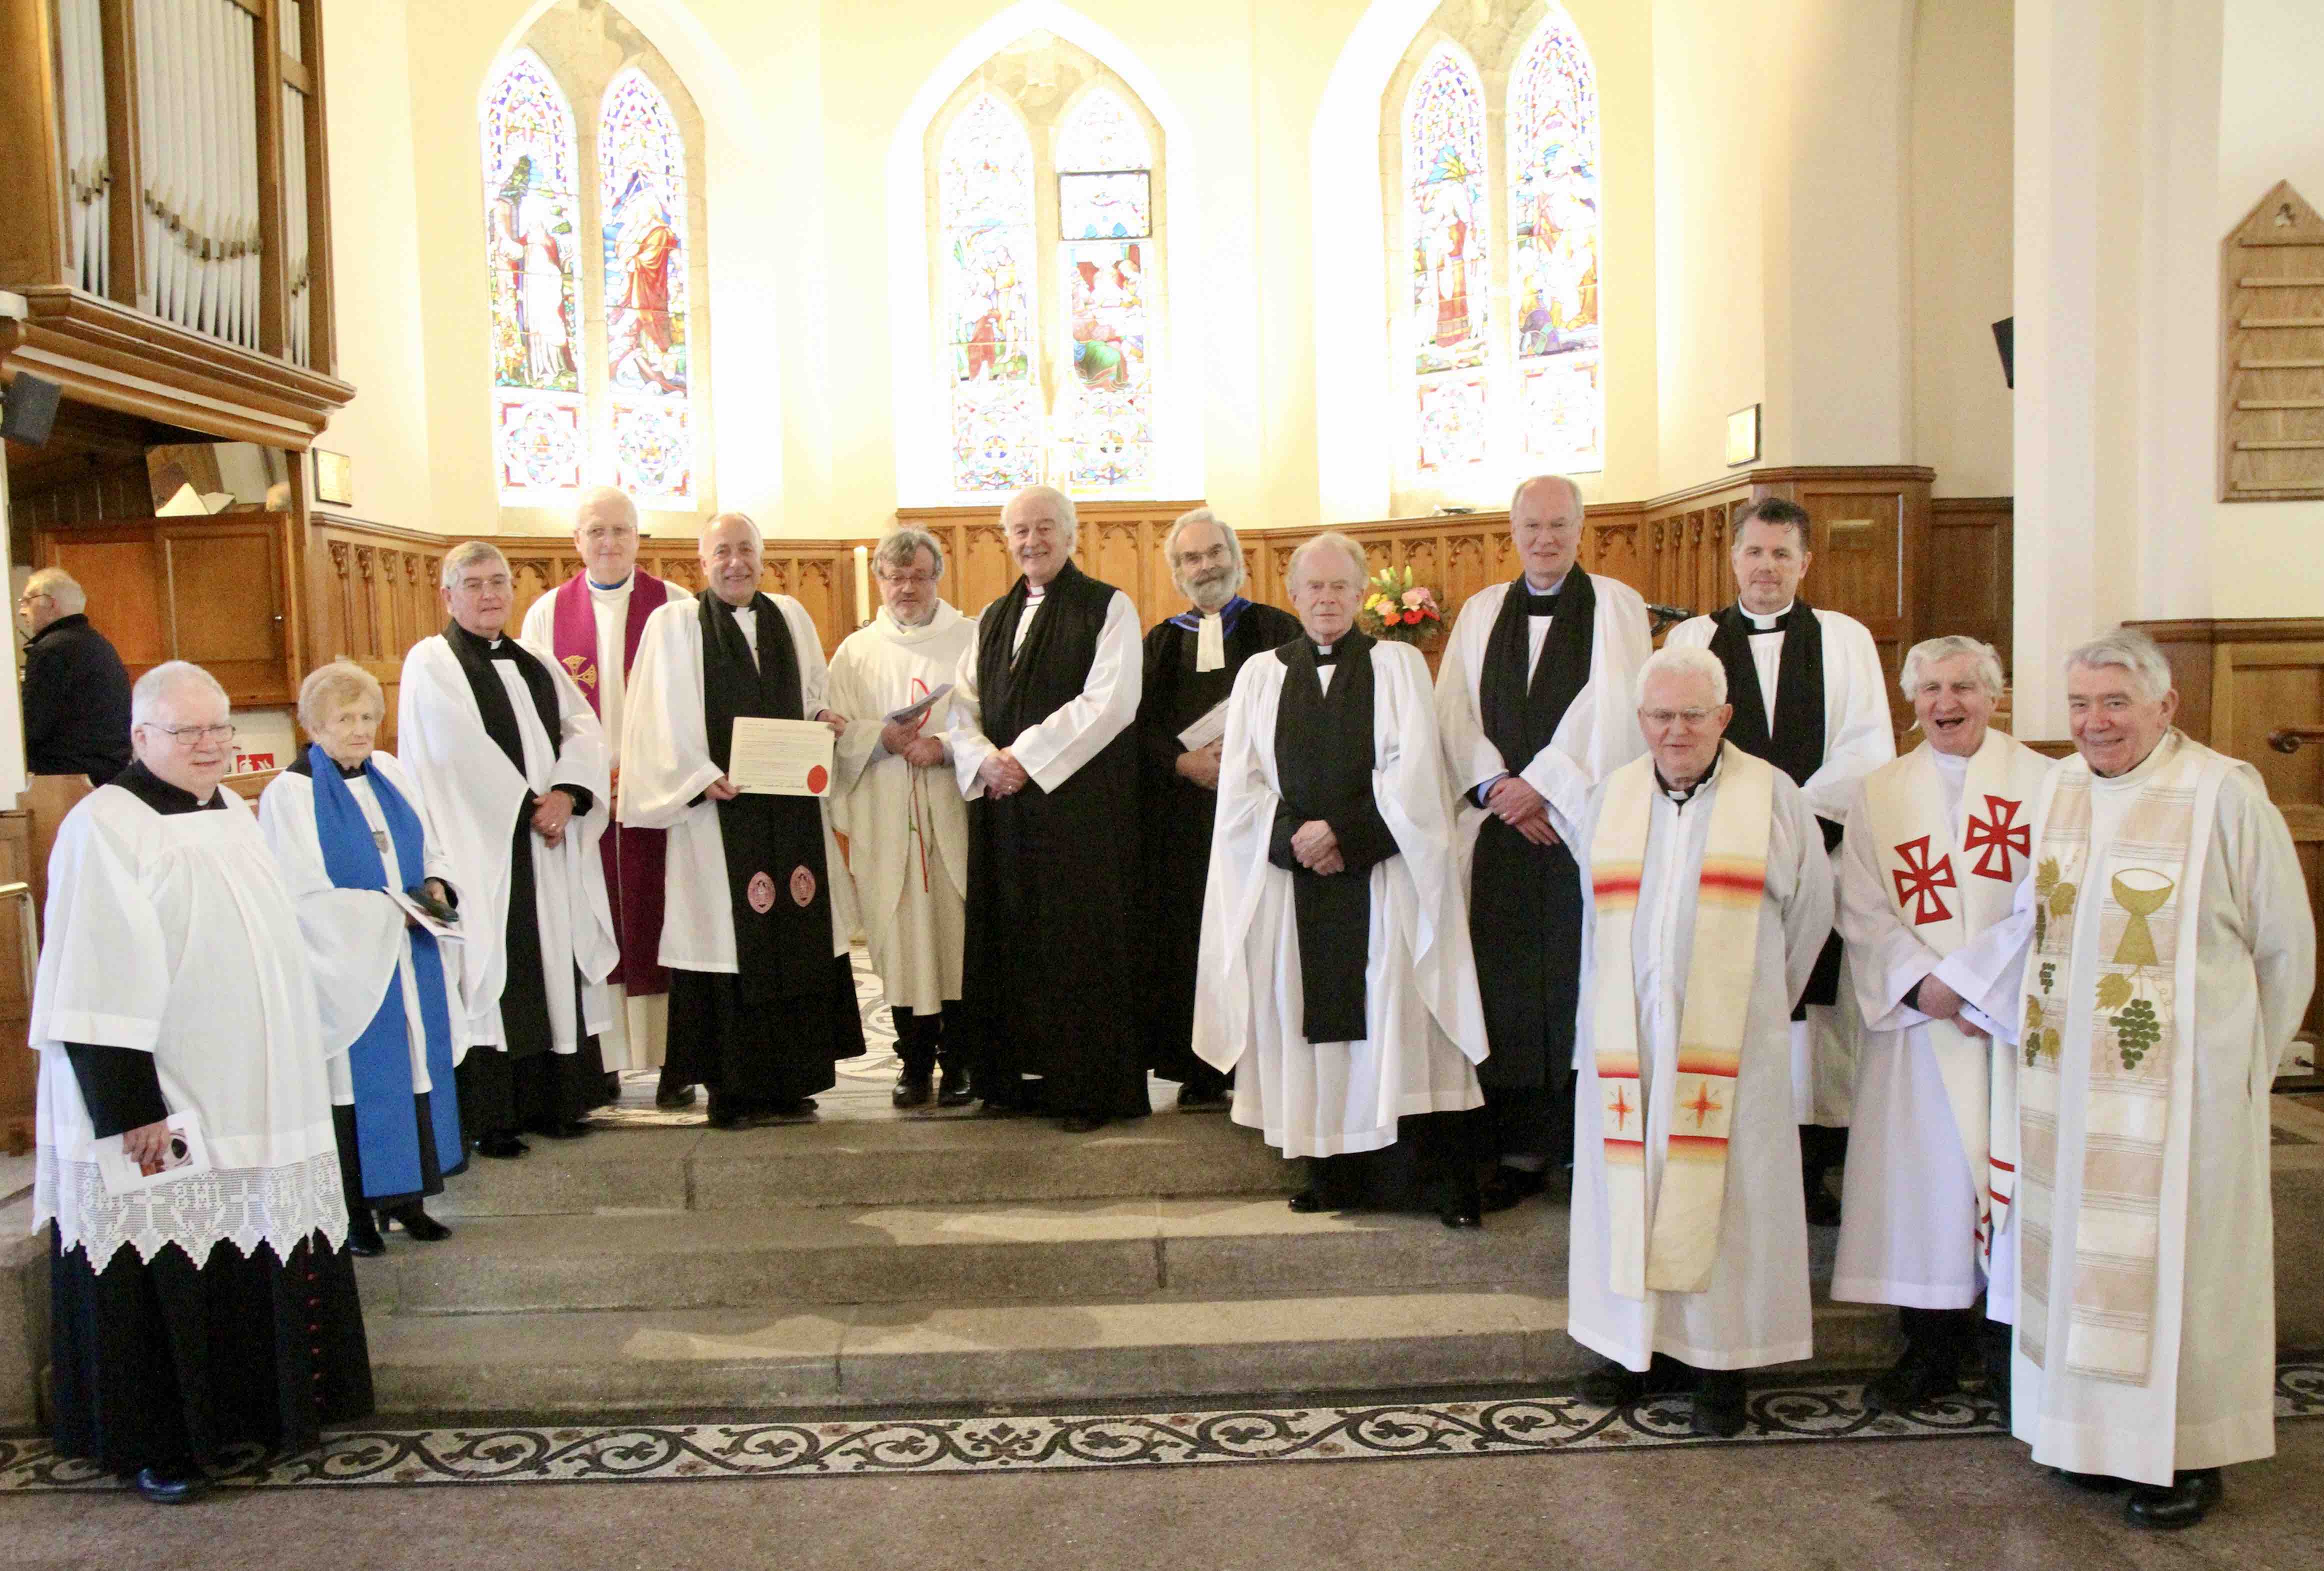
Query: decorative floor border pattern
(837, 1447)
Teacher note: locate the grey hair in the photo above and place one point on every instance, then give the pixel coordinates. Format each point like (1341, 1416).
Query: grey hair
(1580, 510)
(59, 586)
(744, 519)
(458, 559)
(2132, 651)
(1929, 650)
(171, 677)
(339, 682)
(597, 493)
(1061, 509)
(902, 546)
(1330, 540)
(1226, 533)
(1682, 662)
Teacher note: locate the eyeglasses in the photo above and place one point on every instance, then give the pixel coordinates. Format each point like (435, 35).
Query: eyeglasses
(907, 580)
(1692, 719)
(195, 733)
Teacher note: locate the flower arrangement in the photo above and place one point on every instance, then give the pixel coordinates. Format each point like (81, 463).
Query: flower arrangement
(1395, 608)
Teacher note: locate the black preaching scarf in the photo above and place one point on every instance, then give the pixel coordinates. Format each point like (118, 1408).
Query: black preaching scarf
(475, 656)
(1524, 907)
(775, 870)
(1797, 746)
(1324, 760)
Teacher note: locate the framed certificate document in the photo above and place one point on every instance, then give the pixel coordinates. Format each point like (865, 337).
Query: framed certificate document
(779, 758)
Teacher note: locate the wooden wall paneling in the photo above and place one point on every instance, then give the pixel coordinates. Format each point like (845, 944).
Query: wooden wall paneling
(33, 177)
(2272, 352)
(228, 587)
(120, 568)
(1968, 585)
(20, 1070)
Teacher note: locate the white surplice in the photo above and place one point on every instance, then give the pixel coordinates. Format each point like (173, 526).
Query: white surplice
(473, 793)
(1599, 734)
(1425, 1029)
(1078, 730)
(1756, 1309)
(357, 939)
(907, 827)
(667, 767)
(1909, 1199)
(172, 934)
(1859, 738)
(2208, 1400)
(637, 1029)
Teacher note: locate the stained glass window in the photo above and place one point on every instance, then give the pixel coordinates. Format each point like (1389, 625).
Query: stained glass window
(641, 208)
(984, 194)
(1445, 219)
(531, 245)
(1552, 126)
(1104, 208)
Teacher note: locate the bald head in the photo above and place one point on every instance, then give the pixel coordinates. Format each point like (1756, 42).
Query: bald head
(606, 533)
(732, 552)
(1545, 528)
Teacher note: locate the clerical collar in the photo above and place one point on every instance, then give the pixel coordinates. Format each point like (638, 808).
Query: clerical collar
(1774, 623)
(1326, 654)
(735, 610)
(622, 583)
(1542, 601)
(1035, 591)
(501, 648)
(161, 795)
(1683, 795)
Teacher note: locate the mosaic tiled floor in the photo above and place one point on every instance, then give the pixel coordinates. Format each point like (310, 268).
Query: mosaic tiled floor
(837, 1447)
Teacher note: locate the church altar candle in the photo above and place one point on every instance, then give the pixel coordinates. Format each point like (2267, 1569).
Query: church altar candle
(862, 585)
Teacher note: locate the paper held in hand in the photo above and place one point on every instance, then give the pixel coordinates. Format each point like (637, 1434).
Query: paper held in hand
(183, 1157)
(779, 758)
(430, 922)
(910, 713)
(1206, 730)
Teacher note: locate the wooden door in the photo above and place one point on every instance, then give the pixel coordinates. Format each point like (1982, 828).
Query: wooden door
(228, 594)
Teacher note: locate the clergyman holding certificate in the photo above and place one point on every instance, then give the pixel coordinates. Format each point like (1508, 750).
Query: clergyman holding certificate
(726, 694)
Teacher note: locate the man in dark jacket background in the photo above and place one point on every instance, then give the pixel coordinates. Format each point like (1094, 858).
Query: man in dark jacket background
(76, 688)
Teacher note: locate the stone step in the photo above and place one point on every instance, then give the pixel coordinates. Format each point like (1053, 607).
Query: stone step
(1059, 1250)
(692, 1361)
(868, 1162)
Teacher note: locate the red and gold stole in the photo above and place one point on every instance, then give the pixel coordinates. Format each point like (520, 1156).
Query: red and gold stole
(1672, 1251)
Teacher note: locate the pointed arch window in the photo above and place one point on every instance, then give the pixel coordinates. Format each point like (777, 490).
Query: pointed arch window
(1446, 220)
(531, 229)
(985, 196)
(1552, 129)
(1105, 218)
(641, 207)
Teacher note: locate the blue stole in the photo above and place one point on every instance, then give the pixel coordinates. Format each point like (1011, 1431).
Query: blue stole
(379, 1061)
(1229, 615)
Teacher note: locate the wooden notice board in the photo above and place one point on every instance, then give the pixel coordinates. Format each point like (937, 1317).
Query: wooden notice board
(2271, 366)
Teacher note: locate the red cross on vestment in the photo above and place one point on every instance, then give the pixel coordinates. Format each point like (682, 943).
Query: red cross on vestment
(1703, 1105)
(1997, 835)
(1620, 1109)
(1919, 880)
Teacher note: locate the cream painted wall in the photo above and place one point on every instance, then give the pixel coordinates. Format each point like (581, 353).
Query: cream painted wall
(376, 260)
(2272, 60)
(1962, 60)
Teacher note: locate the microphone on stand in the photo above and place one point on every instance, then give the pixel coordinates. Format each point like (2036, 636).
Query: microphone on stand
(1665, 616)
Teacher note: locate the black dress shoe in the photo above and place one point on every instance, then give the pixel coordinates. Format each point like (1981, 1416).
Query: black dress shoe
(953, 1089)
(1082, 1122)
(1465, 1208)
(567, 1129)
(1610, 1385)
(1929, 1370)
(1718, 1404)
(674, 1096)
(2187, 1500)
(502, 1144)
(2095, 1483)
(418, 1226)
(914, 1090)
(612, 1085)
(1307, 1202)
(171, 1484)
(362, 1234)
(1203, 1099)
(1507, 1186)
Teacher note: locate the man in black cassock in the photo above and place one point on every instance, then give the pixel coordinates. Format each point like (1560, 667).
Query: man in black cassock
(757, 909)
(1810, 698)
(1533, 703)
(1042, 745)
(1191, 660)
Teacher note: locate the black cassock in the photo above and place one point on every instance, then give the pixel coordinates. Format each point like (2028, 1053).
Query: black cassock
(1047, 975)
(166, 1362)
(1175, 839)
(765, 1037)
(1525, 900)
(527, 1083)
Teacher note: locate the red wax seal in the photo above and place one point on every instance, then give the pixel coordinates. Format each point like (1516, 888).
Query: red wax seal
(802, 886)
(761, 894)
(817, 779)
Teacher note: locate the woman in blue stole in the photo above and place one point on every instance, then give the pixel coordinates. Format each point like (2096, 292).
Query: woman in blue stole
(350, 830)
